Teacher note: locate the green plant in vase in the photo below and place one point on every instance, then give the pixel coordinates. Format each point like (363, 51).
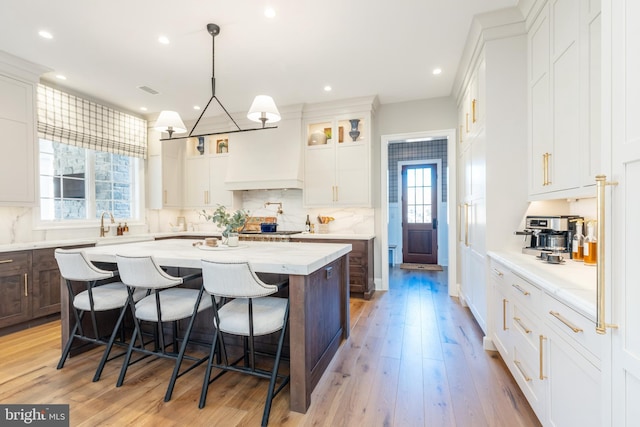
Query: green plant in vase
(228, 222)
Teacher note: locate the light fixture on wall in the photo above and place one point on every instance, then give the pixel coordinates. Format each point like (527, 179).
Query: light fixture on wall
(263, 109)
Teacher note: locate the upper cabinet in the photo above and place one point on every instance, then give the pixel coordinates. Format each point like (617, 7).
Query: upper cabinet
(164, 172)
(564, 99)
(337, 155)
(18, 86)
(206, 163)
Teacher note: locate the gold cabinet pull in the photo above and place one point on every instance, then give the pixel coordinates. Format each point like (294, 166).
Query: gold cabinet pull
(466, 120)
(561, 318)
(206, 197)
(6, 261)
(542, 377)
(545, 164)
(519, 366)
(466, 224)
(504, 314)
(498, 272)
(548, 174)
(26, 290)
(523, 291)
(473, 111)
(601, 323)
(524, 328)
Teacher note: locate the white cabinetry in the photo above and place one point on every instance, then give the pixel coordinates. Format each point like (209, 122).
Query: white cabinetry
(205, 173)
(490, 162)
(621, 83)
(564, 98)
(164, 172)
(17, 141)
(337, 155)
(552, 350)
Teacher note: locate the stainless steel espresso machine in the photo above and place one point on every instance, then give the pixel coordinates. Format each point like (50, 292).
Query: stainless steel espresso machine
(552, 234)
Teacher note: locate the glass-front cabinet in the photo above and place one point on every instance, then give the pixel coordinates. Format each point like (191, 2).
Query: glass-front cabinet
(338, 160)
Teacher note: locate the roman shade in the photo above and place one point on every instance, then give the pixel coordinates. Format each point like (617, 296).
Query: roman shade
(72, 120)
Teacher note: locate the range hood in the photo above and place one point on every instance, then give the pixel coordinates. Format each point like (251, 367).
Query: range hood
(266, 160)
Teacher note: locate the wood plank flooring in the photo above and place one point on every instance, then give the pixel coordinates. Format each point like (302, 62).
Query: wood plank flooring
(414, 358)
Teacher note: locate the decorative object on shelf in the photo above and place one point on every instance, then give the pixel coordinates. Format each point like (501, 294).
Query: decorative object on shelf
(231, 223)
(354, 133)
(263, 109)
(317, 138)
(327, 132)
(222, 146)
(340, 134)
(200, 146)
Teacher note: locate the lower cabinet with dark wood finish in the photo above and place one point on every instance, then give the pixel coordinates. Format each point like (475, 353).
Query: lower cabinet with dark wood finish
(29, 288)
(361, 283)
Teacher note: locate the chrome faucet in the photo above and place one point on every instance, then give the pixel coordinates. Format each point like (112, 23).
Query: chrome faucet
(102, 229)
(280, 212)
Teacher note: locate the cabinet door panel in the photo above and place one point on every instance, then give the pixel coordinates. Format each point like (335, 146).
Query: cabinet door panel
(352, 170)
(217, 175)
(564, 172)
(573, 386)
(540, 132)
(196, 182)
(45, 277)
(319, 176)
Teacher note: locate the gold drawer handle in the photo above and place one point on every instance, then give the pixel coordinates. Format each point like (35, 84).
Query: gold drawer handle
(524, 291)
(504, 314)
(519, 366)
(565, 321)
(498, 272)
(519, 322)
(26, 290)
(6, 261)
(542, 377)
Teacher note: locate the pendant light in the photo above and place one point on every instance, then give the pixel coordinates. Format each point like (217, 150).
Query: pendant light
(263, 109)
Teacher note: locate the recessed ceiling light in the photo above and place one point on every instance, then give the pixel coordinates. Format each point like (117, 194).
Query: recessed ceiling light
(143, 108)
(61, 77)
(196, 107)
(269, 12)
(437, 71)
(45, 34)
(327, 88)
(163, 39)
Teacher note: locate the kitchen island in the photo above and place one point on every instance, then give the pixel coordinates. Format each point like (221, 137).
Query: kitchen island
(318, 291)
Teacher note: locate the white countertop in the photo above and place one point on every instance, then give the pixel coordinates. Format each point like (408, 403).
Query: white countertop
(265, 257)
(341, 236)
(571, 282)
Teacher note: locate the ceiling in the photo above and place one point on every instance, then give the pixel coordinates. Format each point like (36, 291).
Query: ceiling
(107, 49)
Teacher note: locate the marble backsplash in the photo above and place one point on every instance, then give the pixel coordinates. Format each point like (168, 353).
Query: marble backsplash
(293, 217)
(21, 224)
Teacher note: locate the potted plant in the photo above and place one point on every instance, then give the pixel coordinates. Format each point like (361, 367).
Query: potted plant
(230, 223)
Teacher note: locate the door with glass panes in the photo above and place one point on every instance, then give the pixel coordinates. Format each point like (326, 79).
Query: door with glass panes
(419, 214)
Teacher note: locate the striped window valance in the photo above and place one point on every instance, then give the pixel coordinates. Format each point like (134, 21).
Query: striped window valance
(75, 121)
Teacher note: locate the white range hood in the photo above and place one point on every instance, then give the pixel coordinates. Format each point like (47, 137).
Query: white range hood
(267, 159)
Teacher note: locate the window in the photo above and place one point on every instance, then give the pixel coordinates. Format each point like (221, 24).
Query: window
(79, 183)
(419, 195)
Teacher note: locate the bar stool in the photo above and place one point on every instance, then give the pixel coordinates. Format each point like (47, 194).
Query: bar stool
(98, 297)
(164, 303)
(251, 313)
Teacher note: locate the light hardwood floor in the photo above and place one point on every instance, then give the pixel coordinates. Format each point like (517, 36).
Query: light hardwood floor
(414, 358)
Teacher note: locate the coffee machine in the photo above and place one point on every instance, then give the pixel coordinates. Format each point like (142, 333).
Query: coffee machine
(552, 234)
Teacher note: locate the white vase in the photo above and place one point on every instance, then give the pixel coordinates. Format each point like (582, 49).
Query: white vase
(232, 239)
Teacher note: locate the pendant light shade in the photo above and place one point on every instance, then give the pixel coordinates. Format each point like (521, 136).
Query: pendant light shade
(170, 122)
(263, 109)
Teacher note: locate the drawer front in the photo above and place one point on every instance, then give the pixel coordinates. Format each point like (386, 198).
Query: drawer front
(573, 325)
(526, 330)
(526, 293)
(499, 275)
(14, 262)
